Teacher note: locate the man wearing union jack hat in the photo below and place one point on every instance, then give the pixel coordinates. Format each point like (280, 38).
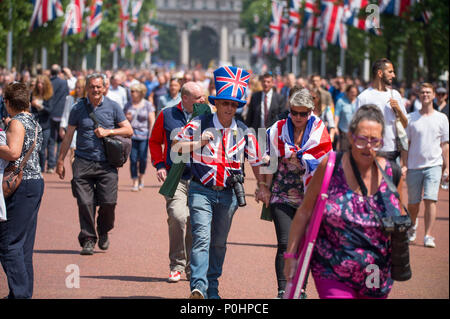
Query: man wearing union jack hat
(216, 143)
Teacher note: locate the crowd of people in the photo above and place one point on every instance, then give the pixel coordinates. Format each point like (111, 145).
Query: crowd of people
(59, 110)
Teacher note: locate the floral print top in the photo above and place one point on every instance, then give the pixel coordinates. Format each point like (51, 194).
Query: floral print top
(32, 169)
(351, 245)
(287, 184)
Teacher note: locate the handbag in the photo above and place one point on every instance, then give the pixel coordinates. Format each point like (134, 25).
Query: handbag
(12, 177)
(117, 148)
(296, 284)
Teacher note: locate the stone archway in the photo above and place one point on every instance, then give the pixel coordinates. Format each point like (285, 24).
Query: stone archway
(192, 16)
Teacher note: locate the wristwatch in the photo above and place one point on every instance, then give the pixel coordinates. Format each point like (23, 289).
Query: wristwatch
(111, 132)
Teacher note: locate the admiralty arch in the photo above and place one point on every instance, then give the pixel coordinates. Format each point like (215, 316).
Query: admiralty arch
(215, 23)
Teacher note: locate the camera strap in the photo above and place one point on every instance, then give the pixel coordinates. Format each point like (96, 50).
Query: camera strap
(386, 178)
(357, 174)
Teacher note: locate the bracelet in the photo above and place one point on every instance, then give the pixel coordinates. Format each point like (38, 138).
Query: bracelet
(263, 183)
(290, 256)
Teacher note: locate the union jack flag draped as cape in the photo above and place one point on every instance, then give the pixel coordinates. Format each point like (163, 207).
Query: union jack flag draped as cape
(44, 11)
(315, 145)
(95, 19)
(74, 18)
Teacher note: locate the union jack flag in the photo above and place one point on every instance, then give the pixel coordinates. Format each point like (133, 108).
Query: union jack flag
(334, 29)
(231, 83)
(221, 157)
(294, 27)
(316, 143)
(311, 24)
(257, 47)
(395, 7)
(276, 26)
(352, 10)
(123, 23)
(95, 19)
(44, 11)
(74, 18)
(136, 6)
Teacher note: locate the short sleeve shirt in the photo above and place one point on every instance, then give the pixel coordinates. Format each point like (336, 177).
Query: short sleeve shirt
(381, 99)
(89, 146)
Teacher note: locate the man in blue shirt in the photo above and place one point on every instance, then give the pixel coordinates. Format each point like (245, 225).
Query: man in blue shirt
(94, 180)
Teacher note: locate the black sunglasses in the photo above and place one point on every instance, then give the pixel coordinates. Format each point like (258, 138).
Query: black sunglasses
(302, 114)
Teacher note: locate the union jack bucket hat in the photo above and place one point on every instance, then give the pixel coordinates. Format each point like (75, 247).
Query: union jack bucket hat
(231, 84)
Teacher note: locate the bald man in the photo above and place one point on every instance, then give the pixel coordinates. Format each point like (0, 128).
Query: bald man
(170, 120)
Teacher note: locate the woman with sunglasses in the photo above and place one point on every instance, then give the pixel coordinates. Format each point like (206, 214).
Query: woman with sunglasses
(352, 254)
(296, 144)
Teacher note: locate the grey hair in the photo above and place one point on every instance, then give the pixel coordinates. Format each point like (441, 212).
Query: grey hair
(95, 76)
(302, 98)
(368, 112)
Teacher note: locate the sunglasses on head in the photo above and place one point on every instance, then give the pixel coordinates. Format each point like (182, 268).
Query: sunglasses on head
(302, 114)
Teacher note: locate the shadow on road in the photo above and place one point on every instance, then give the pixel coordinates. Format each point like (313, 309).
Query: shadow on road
(128, 278)
(251, 244)
(57, 252)
(133, 297)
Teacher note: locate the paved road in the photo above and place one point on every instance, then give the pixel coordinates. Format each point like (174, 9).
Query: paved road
(136, 265)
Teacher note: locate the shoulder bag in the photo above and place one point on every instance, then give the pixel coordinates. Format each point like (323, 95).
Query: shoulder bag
(117, 148)
(13, 175)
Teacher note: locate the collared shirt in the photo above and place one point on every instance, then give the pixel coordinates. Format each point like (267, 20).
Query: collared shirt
(263, 111)
(222, 156)
(118, 94)
(108, 113)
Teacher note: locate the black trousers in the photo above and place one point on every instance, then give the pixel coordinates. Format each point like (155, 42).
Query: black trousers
(94, 184)
(282, 216)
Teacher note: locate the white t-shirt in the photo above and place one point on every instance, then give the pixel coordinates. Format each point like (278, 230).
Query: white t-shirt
(118, 95)
(381, 99)
(426, 133)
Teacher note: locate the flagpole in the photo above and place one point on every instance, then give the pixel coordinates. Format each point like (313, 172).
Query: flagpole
(44, 58)
(65, 54)
(98, 60)
(323, 58)
(342, 61)
(9, 39)
(115, 59)
(366, 70)
(310, 62)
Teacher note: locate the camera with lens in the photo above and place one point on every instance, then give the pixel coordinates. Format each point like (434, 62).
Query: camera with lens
(236, 181)
(397, 227)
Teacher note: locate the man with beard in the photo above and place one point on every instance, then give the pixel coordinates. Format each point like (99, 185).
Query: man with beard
(389, 101)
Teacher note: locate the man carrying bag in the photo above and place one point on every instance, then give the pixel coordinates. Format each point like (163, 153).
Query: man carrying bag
(94, 180)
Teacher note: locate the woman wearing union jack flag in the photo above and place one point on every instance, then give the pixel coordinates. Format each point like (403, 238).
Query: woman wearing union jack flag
(298, 143)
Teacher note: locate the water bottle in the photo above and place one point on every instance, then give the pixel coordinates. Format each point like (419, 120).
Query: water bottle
(444, 182)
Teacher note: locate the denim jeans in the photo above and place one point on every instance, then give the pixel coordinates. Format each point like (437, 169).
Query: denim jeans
(139, 150)
(211, 216)
(17, 236)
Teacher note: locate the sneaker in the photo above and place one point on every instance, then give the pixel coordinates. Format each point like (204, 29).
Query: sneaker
(135, 188)
(88, 248)
(196, 294)
(175, 276)
(141, 186)
(50, 171)
(103, 242)
(428, 241)
(280, 294)
(412, 231)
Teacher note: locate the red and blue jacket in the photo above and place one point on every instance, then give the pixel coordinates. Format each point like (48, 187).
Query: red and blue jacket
(168, 123)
